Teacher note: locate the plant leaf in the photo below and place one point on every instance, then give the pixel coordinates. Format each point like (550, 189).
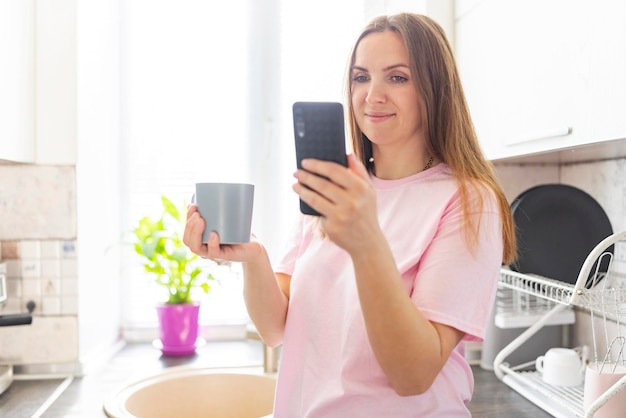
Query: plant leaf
(159, 244)
(170, 208)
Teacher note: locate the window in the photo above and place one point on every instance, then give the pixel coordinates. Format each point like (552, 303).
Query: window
(184, 91)
(207, 89)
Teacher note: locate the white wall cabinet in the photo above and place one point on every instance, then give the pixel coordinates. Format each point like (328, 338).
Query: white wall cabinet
(17, 83)
(38, 83)
(542, 76)
(607, 69)
(56, 82)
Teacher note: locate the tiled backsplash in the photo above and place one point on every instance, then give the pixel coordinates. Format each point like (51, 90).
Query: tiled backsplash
(37, 202)
(38, 232)
(42, 271)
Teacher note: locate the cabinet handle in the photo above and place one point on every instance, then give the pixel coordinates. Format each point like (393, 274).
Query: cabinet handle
(548, 133)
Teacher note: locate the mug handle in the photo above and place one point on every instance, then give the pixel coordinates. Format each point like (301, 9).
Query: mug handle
(583, 352)
(539, 364)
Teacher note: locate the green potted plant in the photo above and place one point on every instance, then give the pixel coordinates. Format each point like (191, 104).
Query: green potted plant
(158, 242)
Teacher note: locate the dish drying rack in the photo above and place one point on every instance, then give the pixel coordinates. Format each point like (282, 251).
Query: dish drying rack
(535, 301)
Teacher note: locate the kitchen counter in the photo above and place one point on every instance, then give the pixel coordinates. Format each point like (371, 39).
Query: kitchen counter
(84, 396)
(25, 397)
(492, 399)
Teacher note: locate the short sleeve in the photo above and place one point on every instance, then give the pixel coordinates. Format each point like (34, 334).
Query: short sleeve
(456, 285)
(295, 245)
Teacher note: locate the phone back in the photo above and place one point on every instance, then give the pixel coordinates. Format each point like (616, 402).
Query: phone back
(319, 133)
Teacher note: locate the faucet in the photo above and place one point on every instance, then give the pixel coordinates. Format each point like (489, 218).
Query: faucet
(16, 319)
(270, 355)
(6, 371)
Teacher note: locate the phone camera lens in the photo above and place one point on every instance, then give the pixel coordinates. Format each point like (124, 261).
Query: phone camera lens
(300, 126)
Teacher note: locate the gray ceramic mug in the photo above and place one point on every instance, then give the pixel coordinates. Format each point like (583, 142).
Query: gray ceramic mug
(227, 209)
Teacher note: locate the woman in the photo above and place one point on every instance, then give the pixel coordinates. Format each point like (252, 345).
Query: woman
(374, 300)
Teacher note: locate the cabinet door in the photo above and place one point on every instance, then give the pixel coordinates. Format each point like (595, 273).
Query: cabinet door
(520, 69)
(607, 69)
(17, 49)
(57, 81)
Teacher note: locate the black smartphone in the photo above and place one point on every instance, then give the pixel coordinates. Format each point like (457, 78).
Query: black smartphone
(319, 133)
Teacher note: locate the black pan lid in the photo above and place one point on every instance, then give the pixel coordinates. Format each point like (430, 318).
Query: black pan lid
(557, 226)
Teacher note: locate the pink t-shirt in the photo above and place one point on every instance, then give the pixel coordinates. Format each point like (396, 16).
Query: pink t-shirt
(327, 366)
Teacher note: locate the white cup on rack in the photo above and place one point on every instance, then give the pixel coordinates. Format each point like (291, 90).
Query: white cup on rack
(561, 367)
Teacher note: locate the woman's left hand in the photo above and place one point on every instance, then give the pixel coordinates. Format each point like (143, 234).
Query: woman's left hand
(346, 199)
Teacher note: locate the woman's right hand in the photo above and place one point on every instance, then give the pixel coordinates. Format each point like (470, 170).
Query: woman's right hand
(192, 237)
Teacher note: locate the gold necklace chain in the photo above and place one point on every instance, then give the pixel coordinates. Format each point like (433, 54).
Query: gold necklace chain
(426, 167)
(429, 163)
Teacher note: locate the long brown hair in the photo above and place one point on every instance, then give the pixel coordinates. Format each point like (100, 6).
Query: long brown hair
(450, 134)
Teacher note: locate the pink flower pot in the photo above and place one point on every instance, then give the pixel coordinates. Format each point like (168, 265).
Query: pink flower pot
(179, 329)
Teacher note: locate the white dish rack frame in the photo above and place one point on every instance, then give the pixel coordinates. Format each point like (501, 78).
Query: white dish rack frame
(553, 303)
